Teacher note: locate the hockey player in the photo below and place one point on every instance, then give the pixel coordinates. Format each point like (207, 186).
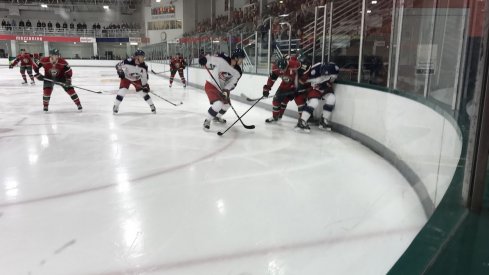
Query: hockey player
(321, 77)
(133, 71)
(56, 69)
(36, 57)
(287, 71)
(177, 63)
(26, 63)
(227, 71)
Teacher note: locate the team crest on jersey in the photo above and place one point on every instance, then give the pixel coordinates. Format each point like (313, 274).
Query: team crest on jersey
(286, 79)
(25, 60)
(225, 76)
(53, 72)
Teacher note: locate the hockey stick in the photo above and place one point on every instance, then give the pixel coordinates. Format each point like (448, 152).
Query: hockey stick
(178, 104)
(62, 84)
(159, 72)
(239, 118)
(270, 96)
(253, 99)
(244, 125)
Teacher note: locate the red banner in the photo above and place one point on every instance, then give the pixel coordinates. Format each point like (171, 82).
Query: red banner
(39, 38)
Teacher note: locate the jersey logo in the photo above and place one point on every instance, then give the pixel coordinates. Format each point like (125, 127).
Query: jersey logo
(286, 79)
(53, 72)
(225, 76)
(136, 76)
(25, 60)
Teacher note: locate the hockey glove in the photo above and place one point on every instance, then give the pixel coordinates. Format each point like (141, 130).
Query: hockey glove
(146, 88)
(121, 74)
(67, 83)
(11, 66)
(202, 61)
(225, 93)
(266, 91)
(39, 76)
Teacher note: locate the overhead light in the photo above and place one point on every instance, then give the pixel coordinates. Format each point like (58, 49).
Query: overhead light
(216, 41)
(157, 1)
(106, 7)
(25, 41)
(44, 6)
(133, 43)
(120, 44)
(281, 1)
(374, 2)
(74, 43)
(283, 15)
(369, 11)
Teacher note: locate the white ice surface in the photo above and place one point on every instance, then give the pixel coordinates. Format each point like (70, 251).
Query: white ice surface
(138, 193)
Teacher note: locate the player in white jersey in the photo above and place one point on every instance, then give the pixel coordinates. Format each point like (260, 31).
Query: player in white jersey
(321, 77)
(226, 72)
(133, 71)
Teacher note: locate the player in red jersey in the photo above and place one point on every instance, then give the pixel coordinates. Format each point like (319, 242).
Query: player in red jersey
(287, 71)
(36, 57)
(26, 63)
(177, 63)
(56, 69)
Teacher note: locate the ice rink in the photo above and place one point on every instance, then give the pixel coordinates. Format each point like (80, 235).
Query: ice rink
(140, 193)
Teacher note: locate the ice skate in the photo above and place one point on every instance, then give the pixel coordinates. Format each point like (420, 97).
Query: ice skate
(33, 82)
(272, 119)
(45, 109)
(24, 83)
(219, 120)
(80, 108)
(207, 124)
(324, 125)
(153, 108)
(302, 126)
(115, 109)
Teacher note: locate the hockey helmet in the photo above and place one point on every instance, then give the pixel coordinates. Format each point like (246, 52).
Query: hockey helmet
(139, 53)
(330, 69)
(54, 52)
(304, 60)
(238, 53)
(282, 64)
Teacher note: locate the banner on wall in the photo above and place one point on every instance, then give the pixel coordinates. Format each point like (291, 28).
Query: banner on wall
(87, 39)
(39, 38)
(112, 39)
(163, 10)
